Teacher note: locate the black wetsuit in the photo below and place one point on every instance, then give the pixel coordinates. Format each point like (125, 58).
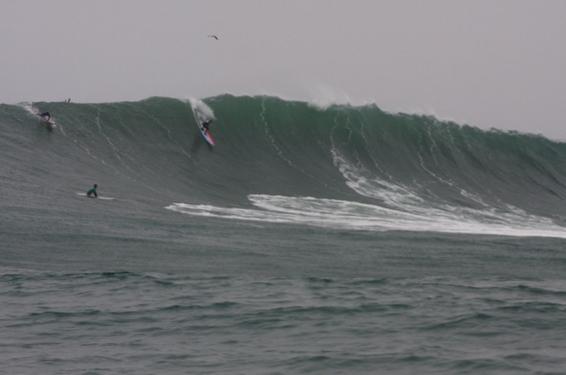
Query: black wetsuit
(92, 192)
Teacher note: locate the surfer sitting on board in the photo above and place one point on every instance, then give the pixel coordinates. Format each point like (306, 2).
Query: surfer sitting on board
(92, 192)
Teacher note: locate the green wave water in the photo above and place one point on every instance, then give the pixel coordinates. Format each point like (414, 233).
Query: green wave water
(293, 162)
(309, 240)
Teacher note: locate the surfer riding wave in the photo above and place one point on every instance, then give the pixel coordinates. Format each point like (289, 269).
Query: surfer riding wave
(204, 117)
(206, 125)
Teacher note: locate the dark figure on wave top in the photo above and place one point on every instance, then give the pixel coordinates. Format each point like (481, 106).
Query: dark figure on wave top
(206, 125)
(92, 192)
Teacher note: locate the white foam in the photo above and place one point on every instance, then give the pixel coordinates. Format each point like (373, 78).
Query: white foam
(29, 108)
(398, 207)
(201, 107)
(340, 214)
(393, 195)
(506, 220)
(324, 96)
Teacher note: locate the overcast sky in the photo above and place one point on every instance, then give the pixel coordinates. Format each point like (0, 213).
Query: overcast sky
(489, 63)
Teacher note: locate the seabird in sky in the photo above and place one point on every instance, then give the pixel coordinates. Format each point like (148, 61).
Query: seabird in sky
(213, 36)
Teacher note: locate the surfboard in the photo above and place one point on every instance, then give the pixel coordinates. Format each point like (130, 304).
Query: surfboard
(99, 197)
(206, 135)
(200, 118)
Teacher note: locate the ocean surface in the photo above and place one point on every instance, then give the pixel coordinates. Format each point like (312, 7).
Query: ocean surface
(319, 240)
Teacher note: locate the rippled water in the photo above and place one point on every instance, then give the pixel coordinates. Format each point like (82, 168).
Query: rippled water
(149, 322)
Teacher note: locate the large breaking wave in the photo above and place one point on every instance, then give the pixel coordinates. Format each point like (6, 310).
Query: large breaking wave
(343, 167)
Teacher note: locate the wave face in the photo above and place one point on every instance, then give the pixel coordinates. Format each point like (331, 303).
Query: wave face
(340, 167)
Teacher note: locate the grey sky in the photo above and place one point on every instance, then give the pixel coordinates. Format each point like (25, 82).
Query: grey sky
(489, 63)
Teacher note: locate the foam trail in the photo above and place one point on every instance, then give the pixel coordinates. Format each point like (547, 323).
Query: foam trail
(339, 214)
(400, 208)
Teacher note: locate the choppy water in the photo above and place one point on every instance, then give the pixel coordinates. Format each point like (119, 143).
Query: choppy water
(339, 240)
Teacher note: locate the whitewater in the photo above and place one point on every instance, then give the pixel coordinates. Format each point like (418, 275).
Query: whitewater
(310, 239)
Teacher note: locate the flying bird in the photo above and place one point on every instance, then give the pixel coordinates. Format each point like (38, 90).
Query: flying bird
(213, 36)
